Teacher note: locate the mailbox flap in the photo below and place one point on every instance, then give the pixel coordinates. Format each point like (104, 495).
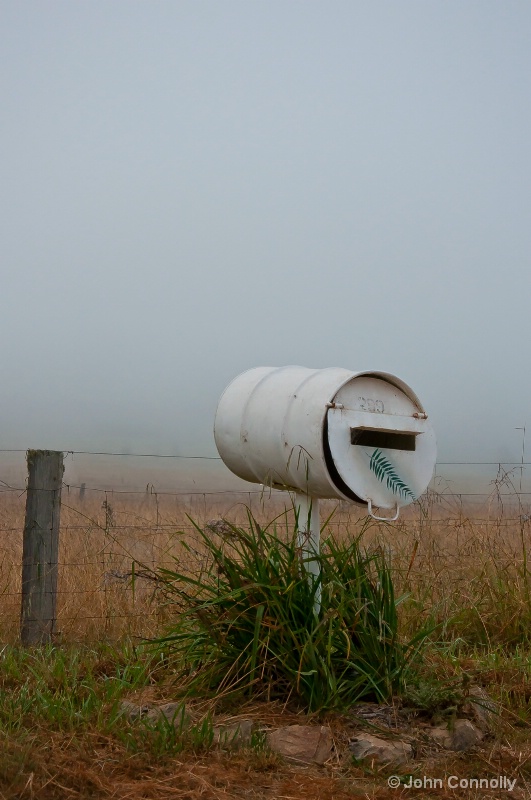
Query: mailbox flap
(380, 443)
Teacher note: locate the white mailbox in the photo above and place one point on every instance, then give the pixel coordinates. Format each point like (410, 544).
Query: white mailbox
(327, 433)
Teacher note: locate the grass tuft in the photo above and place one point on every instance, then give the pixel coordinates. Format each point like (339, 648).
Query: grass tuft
(244, 622)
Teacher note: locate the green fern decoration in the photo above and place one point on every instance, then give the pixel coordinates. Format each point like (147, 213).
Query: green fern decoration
(384, 471)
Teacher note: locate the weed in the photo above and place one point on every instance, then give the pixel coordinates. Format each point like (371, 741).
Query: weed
(165, 737)
(61, 687)
(246, 623)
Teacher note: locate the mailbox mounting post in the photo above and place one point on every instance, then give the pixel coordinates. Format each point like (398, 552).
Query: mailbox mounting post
(308, 536)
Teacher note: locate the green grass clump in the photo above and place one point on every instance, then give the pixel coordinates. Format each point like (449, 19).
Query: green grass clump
(245, 621)
(166, 737)
(66, 688)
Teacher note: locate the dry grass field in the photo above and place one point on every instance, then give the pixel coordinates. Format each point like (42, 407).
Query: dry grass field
(464, 571)
(465, 567)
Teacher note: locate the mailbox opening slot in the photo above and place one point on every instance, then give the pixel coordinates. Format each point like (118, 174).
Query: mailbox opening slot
(382, 439)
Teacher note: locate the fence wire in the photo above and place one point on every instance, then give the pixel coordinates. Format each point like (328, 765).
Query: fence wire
(114, 541)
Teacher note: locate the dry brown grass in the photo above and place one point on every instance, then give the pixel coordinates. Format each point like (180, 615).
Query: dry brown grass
(58, 766)
(105, 538)
(464, 567)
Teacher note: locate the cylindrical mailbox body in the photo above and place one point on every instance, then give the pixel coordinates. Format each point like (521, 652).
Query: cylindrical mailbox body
(331, 433)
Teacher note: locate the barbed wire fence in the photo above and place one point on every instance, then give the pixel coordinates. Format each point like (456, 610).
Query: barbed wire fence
(113, 540)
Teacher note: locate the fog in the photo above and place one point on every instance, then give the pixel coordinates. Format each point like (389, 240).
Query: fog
(193, 189)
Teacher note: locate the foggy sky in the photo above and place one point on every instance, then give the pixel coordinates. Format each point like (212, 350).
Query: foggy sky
(190, 189)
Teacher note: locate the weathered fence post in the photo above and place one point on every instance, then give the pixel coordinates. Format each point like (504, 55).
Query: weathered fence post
(40, 547)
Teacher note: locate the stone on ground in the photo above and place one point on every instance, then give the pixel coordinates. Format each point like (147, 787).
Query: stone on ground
(304, 744)
(365, 747)
(231, 734)
(461, 736)
(481, 708)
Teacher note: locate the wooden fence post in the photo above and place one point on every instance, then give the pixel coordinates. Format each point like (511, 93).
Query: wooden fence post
(40, 547)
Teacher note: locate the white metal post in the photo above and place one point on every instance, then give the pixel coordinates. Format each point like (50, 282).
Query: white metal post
(308, 535)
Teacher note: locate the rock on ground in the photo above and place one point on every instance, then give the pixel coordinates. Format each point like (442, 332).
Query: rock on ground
(481, 708)
(461, 736)
(231, 734)
(175, 713)
(365, 746)
(304, 744)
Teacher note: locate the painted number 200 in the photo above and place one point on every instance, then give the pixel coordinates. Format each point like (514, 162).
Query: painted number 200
(368, 404)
